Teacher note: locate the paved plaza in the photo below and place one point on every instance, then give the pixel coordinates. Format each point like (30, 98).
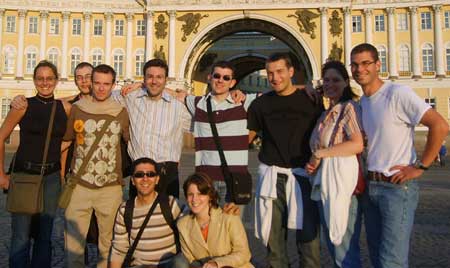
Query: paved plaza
(430, 241)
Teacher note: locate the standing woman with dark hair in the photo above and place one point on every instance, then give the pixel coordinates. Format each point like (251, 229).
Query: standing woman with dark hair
(34, 122)
(335, 142)
(208, 237)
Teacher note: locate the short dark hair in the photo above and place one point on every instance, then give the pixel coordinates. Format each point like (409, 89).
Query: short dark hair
(144, 160)
(366, 47)
(280, 56)
(205, 186)
(45, 63)
(105, 69)
(224, 65)
(82, 65)
(342, 71)
(156, 63)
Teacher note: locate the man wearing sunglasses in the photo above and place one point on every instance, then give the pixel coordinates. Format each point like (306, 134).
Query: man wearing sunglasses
(157, 246)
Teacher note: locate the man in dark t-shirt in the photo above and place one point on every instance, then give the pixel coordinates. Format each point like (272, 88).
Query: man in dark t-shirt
(285, 117)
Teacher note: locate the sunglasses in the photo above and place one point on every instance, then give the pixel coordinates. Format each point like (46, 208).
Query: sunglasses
(142, 174)
(225, 77)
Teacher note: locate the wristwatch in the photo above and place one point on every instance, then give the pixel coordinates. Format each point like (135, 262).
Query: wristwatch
(419, 165)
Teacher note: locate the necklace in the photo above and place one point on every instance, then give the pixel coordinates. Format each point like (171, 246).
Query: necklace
(45, 100)
(204, 225)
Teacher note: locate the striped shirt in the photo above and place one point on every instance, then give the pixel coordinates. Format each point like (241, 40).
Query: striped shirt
(231, 123)
(156, 126)
(349, 124)
(157, 243)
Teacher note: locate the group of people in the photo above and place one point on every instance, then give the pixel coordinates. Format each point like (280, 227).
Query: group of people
(311, 172)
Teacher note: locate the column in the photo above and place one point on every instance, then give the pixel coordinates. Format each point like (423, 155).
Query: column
(149, 36)
(324, 33)
(87, 33)
(438, 43)
(347, 36)
(172, 17)
(19, 69)
(415, 53)
(368, 23)
(2, 12)
(393, 74)
(108, 18)
(64, 46)
(129, 55)
(44, 17)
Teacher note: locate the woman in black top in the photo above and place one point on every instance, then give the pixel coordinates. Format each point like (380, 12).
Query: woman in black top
(33, 122)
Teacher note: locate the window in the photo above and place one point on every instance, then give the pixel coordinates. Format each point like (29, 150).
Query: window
(97, 57)
(98, 27)
(379, 23)
(139, 62)
(118, 62)
(383, 59)
(10, 24)
(431, 102)
(425, 20)
(9, 60)
(54, 26)
(427, 58)
(356, 24)
(447, 19)
(75, 59)
(53, 56)
(6, 102)
(76, 27)
(31, 59)
(119, 27)
(140, 28)
(32, 25)
(404, 59)
(402, 22)
(447, 57)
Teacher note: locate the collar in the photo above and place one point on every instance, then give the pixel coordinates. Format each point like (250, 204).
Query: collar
(165, 96)
(229, 99)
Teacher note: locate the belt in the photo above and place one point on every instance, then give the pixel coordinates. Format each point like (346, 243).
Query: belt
(377, 176)
(36, 168)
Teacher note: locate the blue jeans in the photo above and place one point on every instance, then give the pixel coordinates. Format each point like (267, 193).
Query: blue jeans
(347, 254)
(21, 224)
(389, 218)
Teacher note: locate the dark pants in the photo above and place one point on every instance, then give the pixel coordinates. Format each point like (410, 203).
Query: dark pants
(169, 182)
(308, 242)
(19, 255)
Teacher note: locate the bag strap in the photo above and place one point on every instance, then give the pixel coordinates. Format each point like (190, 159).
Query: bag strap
(223, 162)
(129, 257)
(91, 150)
(128, 216)
(167, 213)
(336, 126)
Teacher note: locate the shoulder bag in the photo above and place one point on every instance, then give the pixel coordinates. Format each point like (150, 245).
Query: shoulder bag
(239, 184)
(26, 192)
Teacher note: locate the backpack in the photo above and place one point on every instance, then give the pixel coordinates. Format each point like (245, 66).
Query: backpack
(165, 210)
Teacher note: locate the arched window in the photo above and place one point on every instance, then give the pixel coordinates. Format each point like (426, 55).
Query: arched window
(383, 58)
(9, 53)
(139, 62)
(427, 58)
(118, 61)
(53, 56)
(97, 56)
(31, 59)
(404, 65)
(75, 58)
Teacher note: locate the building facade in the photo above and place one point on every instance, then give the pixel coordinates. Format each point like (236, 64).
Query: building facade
(413, 38)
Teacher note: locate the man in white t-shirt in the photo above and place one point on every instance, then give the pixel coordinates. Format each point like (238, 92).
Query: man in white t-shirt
(390, 113)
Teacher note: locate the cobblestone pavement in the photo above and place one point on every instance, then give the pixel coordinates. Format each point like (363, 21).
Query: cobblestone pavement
(429, 246)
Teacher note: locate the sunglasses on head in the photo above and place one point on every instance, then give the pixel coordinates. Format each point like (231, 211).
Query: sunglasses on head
(224, 77)
(141, 174)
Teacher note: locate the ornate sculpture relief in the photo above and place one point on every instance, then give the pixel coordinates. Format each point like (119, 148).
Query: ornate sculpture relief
(304, 21)
(335, 23)
(161, 27)
(335, 53)
(191, 23)
(159, 54)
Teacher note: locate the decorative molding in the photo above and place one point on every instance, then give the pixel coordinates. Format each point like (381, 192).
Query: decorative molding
(304, 21)
(335, 52)
(437, 8)
(109, 16)
(161, 26)
(413, 10)
(65, 15)
(22, 13)
(191, 24)
(160, 54)
(2, 12)
(129, 16)
(368, 12)
(335, 24)
(347, 11)
(323, 10)
(87, 15)
(390, 10)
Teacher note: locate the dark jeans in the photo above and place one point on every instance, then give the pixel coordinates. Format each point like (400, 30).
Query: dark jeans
(19, 255)
(308, 242)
